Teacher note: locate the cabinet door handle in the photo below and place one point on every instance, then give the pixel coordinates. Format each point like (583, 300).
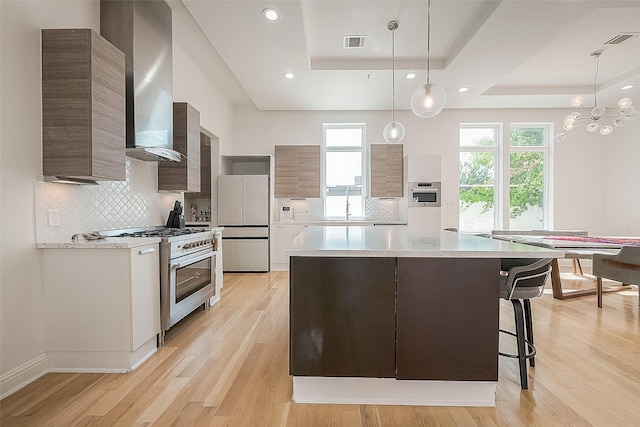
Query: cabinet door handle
(146, 251)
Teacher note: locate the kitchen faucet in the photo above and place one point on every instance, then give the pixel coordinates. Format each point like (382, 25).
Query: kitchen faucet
(347, 204)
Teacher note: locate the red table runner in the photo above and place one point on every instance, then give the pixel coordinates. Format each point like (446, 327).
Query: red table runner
(631, 241)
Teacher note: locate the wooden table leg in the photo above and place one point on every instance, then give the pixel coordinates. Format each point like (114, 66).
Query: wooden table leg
(599, 284)
(558, 292)
(556, 285)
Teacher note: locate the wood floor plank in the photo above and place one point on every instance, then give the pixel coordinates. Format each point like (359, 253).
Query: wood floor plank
(228, 366)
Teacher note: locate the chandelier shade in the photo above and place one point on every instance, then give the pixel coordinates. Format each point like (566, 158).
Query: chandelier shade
(597, 119)
(429, 99)
(394, 131)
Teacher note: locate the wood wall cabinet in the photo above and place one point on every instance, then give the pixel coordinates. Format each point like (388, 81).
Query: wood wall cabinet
(205, 169)
(386, 170)
(183, 175)
(83, 106)
(297, 171)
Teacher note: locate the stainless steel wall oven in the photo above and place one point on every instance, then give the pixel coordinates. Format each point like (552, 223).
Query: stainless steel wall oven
(424, 194)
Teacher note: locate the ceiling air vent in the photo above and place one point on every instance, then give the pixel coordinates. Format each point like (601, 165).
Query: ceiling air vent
(353, 41)
(620, 38)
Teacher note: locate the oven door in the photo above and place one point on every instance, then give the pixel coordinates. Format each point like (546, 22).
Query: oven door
(424, 197)
(192, 283)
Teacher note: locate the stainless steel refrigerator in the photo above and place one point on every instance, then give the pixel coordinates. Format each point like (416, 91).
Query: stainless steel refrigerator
(243, 211)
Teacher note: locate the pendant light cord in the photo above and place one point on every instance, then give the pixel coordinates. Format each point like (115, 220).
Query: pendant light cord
(393, 75)
(595, 82)
(428, 40)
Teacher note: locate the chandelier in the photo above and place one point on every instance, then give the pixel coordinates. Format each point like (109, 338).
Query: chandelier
(599, 118)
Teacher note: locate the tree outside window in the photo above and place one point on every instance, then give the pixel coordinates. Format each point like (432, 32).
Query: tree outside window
(484, 202)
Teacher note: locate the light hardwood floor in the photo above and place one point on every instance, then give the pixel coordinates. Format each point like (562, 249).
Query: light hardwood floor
(229, 367)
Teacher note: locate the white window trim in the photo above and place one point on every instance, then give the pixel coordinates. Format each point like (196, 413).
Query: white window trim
(498, 162)
(502, 151)
(547, 149)
(323, 154)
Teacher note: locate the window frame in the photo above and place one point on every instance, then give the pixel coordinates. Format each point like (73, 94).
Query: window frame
(344, 149)
(498, 160)
(547, 149)
(502, 168)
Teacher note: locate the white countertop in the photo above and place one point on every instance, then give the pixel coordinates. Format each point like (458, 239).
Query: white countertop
(107, 243)
(338, 222)
(406, 241)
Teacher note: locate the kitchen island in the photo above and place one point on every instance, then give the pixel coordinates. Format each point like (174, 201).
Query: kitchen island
(396, 315)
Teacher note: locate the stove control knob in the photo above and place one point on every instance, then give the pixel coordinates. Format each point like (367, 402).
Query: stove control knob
(186, 246)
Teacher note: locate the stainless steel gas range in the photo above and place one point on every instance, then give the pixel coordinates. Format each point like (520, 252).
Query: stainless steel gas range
(188, 258)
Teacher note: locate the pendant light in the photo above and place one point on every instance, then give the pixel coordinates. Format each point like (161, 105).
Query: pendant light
(429, 99)
(394, 131)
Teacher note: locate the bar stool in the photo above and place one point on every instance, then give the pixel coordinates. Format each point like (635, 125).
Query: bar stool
(521, 280)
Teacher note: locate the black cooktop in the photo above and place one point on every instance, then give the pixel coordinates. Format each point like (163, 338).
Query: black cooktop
(162, 232)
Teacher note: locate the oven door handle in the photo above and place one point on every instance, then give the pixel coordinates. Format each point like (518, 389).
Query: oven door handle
(192, 260)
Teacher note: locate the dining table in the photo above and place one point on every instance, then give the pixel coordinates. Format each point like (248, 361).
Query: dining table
(576, 247)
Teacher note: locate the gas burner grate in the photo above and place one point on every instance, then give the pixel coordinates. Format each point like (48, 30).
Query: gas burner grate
(167, 232)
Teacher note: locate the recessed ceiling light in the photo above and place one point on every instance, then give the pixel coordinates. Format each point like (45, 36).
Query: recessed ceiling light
(626, 87)
(288, 75)
(463, 89)
(411, 76)
(270, 14)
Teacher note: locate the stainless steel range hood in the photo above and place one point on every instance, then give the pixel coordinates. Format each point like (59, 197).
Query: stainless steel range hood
(142, 31)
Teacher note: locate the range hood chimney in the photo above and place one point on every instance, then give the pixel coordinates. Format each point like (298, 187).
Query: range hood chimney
(142, 31)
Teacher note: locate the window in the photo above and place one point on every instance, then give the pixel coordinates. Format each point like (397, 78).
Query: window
(344, 157)
(504, 185)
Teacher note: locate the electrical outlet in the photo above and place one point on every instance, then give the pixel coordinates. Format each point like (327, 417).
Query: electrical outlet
(53, 217)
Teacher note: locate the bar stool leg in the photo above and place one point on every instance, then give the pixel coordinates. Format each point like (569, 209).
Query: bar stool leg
(529, 326)
(522, 360)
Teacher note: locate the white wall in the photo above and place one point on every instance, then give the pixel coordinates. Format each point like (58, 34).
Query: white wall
(594, 176)
(22, 348)
(22, 305)
(622, 181)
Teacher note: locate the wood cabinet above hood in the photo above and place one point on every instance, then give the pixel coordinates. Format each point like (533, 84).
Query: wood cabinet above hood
(185, 175)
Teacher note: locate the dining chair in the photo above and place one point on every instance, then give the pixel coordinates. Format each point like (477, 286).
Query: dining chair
(520, 280)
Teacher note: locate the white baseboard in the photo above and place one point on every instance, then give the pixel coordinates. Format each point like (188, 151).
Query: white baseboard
(23, 375)
(276, 266)
(389, 391)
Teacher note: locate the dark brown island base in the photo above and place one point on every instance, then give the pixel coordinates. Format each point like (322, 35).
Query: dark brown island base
(395, 315)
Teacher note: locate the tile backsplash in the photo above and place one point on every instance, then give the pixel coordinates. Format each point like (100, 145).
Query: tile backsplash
(106, 206)
(375, 209)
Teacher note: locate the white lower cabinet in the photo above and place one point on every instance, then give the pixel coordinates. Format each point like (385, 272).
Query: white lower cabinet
(282, 236)
(102, 308)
